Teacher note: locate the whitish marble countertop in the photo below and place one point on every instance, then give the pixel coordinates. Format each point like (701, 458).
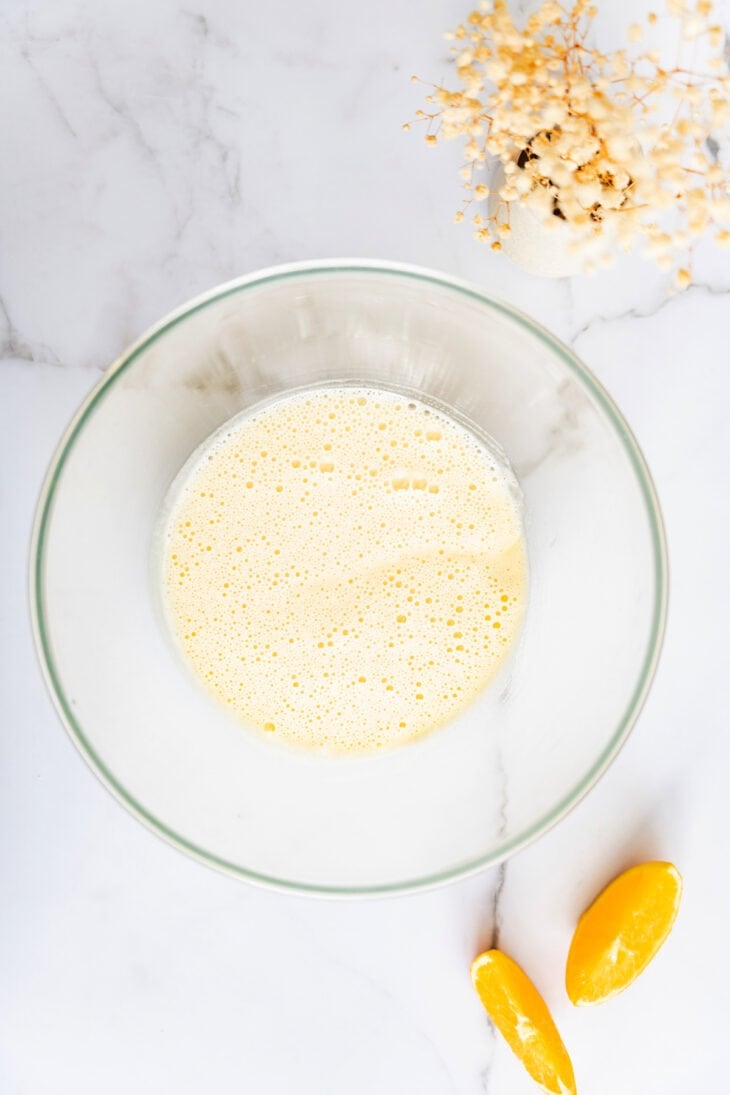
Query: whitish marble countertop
(151, 149)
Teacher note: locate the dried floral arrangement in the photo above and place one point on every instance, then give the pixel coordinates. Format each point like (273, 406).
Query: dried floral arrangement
(579, 133)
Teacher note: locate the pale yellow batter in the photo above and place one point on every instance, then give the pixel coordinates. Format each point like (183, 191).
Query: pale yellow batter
(345, 569)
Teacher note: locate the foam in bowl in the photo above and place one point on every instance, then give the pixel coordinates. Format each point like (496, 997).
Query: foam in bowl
(344, 569)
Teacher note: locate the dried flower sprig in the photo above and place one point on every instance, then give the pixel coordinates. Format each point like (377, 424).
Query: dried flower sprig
(579, 134)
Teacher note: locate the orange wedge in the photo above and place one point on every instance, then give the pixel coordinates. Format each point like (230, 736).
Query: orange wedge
(619, 934)
(521, 1016)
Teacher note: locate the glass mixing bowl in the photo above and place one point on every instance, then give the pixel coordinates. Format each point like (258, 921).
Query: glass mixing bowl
(464, 797)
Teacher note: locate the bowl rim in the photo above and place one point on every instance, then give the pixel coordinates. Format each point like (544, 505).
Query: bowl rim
(625, 437)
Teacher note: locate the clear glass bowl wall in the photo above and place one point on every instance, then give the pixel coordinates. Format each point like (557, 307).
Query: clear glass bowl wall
(469, 794)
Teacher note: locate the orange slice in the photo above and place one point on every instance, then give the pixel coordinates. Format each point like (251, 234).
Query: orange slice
(521, 1016)
(619, 934)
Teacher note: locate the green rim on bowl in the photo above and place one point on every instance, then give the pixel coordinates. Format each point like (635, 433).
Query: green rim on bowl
(580, 372)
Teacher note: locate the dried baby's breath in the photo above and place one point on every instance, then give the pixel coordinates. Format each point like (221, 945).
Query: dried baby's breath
(579, 133)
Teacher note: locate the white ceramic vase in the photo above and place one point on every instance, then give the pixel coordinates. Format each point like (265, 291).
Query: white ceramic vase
(547, 252)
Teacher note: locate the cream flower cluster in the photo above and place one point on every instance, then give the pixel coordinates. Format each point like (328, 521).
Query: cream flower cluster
(625, 148)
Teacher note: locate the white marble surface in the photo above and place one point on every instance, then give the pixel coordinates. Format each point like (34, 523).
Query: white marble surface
(151, 149)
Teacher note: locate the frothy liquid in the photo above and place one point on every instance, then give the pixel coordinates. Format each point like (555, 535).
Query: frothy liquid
(346, 569)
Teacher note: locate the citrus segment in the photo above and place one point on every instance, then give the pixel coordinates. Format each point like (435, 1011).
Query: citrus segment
(619, 934)
(520, 1014)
